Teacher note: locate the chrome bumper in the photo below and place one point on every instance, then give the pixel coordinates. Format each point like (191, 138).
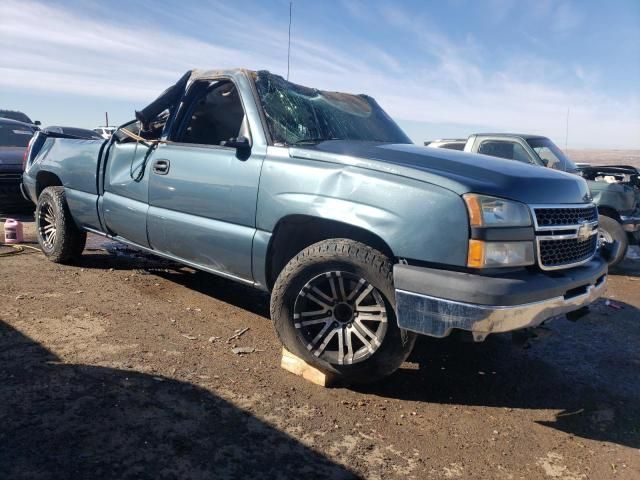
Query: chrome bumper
(437, 316)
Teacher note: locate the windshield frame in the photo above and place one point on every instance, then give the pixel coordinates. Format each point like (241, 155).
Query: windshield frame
(274, 139)
(566, 163)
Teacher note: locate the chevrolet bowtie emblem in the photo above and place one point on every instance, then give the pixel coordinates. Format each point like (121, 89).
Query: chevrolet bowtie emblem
(584, 231)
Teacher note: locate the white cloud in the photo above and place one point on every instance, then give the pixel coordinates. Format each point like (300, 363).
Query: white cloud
(62, 50)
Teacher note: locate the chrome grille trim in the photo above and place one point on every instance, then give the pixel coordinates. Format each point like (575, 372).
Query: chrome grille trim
(564, 232)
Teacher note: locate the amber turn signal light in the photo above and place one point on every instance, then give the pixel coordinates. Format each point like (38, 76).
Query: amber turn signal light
(475, 211)
(475, 258)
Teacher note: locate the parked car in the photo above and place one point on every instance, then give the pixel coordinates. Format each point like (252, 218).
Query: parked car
(618, 200)
(14, 137)
(17, 116)
(105, 132)
(363, 239)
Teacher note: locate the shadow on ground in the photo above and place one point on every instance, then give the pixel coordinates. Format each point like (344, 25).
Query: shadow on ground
(587, 370)
(78, 421)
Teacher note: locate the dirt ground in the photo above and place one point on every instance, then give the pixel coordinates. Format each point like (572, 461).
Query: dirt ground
(605, 157)
(120, 367)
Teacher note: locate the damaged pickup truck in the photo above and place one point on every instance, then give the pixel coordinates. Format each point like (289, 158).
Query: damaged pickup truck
(363, 239)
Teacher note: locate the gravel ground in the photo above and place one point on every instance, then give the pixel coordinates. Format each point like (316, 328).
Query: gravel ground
(120, 367)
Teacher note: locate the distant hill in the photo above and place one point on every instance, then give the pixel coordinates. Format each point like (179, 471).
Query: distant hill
(605, 157)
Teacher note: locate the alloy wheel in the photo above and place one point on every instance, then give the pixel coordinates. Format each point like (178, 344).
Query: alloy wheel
(47, 225)
(341, 317)
(604, 236)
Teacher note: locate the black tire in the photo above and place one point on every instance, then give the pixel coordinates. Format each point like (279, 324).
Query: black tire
(52, 216)
(611, 230)
(354, 260)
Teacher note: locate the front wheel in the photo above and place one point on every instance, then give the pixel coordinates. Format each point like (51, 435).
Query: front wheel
(610, 230)
(333, 306)
(59, 237)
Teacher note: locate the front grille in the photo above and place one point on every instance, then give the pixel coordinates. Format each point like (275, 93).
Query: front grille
(560, 217)
(566, 235)
(556, 253)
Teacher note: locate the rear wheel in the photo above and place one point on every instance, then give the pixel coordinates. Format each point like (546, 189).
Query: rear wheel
(59, 237)
(333, 306)
(609, 231)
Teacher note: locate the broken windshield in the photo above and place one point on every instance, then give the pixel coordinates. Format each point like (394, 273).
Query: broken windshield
(298, 115)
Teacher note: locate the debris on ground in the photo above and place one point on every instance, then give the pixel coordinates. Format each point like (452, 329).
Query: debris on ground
(614, 305)
(189, 337)
(244, 350)
(213, 339)
(568, 414)
(238, 333)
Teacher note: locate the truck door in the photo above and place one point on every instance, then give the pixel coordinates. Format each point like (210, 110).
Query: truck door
(202, 196)
(126, 192)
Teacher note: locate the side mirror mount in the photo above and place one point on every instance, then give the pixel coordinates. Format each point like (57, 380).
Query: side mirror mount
(545, 162)
(37, 122)
(239, 143)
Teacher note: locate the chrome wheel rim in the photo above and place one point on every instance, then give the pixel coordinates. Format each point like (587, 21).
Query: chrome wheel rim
(340, 317)
(47, 225)
(604, 236)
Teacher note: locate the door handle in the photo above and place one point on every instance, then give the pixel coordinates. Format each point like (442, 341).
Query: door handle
(161, 166)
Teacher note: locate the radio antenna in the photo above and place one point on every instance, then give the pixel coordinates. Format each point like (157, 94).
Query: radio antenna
(566, 133)
(289, 44)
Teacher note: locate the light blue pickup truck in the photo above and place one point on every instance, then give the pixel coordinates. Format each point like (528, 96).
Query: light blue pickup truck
(363, 239)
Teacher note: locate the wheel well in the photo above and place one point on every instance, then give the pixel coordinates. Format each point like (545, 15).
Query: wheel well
(609, 212)
(294, 233)
(46, 179)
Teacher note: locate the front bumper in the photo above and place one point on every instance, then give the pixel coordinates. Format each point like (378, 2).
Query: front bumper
(630, 223)
(434, 302)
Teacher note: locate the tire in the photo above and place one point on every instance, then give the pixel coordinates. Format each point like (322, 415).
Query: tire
(358, 309)
(59, 237)
(609, 231)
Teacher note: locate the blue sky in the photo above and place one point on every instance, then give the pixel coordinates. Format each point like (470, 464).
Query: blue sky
(439, 68)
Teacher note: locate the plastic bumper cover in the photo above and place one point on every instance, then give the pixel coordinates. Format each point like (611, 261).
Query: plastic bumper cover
(434, 302)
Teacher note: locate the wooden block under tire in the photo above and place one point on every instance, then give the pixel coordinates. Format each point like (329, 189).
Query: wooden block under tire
(297, 366)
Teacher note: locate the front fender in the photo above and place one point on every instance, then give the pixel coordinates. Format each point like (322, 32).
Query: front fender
(416, 220)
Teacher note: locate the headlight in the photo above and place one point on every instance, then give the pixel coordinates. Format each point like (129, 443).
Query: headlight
(485, 211)
(499, 254)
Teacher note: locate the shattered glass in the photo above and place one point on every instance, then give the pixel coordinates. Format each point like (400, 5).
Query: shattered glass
(302, 115)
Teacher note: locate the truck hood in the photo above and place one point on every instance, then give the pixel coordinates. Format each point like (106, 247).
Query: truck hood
(11, 156)
(458, 171)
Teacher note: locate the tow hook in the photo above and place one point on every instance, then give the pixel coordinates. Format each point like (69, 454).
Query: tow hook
(577, 314)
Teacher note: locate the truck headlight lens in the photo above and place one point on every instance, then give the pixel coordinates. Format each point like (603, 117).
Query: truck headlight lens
(485, 211)
(499, 254)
